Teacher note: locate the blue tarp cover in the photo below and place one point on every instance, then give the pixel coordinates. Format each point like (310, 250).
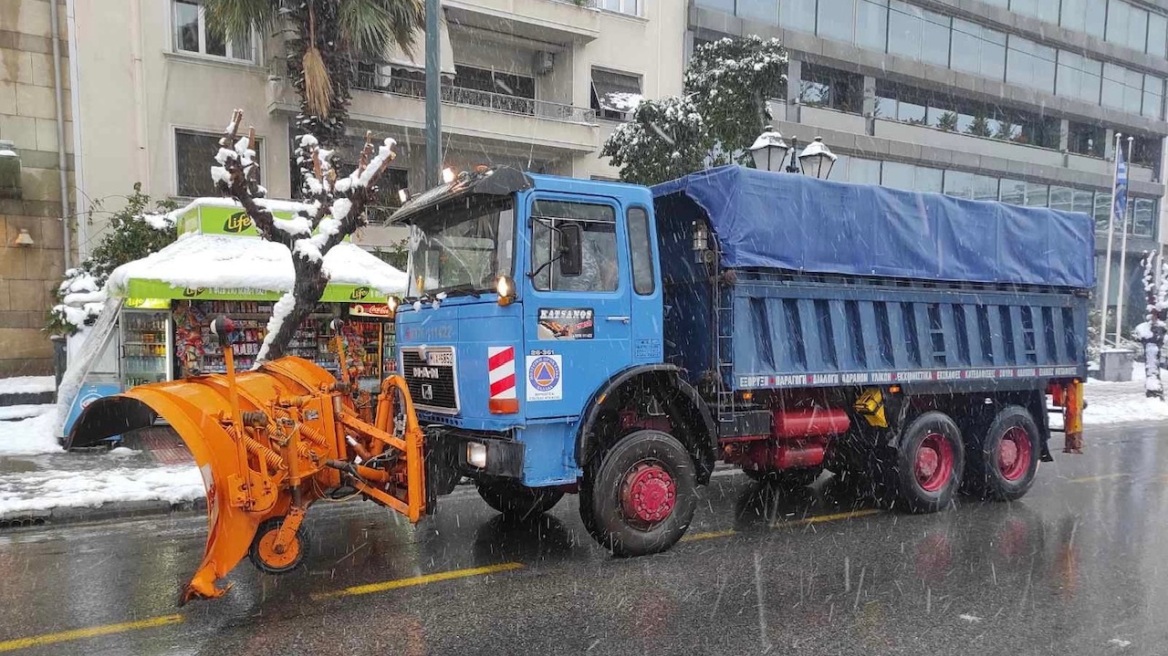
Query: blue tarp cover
(790, 221)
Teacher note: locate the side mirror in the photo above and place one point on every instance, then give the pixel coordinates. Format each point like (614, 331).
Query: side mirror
(571, 250)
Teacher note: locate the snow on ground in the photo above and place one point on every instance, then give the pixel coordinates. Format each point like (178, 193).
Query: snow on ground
(1114, 403)
(44, 490)
(27, 385)
(10, 412)
(31, 436)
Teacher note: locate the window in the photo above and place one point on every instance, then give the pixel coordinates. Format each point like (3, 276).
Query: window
(1127, 25)
(1087, 139)
(630, 7)
(1158, 35)
(1153, 96)
(726, 6)
(763, 11)
(642, 251)
(978, 50)
(837, 20)
(898, 176)
(194, 155)
(1029, 64)
(1144, 217)
(1123, 88)
(1102, 210)
(820, 86)
(1079, 77)
(191, 34)
(917, 33)
(615, 95)
(1083, 201)
(871, 24)
(959, 184)
(1062, 198)
(797, 15)
(1044, 10)
(1087, 16)
(1145, 151)
(598, 254)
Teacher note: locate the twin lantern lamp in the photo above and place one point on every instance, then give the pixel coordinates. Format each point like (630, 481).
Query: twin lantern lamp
(770, 152)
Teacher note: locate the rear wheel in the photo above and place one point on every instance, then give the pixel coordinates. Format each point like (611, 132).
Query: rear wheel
(641, 498)
(927, 464)
(264, 554)
(1003, 466)
(517, 501)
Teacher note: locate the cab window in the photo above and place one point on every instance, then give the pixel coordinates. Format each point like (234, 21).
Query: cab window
(573, 246)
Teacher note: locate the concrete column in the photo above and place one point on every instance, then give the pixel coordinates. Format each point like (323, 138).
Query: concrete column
(1064, 135)
(869, 107)
(1109, 145)
(794, 77)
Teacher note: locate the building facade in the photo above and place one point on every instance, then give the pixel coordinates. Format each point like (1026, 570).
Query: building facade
(36, 180)
(537, 84)
(1011, 100)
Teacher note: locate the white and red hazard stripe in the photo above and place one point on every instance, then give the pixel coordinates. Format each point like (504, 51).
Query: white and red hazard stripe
(501, 373)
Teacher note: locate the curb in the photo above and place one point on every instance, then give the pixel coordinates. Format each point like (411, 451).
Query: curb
(40, 519)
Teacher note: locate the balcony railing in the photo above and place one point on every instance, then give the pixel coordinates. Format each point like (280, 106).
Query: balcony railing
(496, 102)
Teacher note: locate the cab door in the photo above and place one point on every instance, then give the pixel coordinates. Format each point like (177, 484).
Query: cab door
(577, 307)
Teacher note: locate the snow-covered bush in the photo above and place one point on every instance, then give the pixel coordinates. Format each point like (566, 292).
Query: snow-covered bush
(1152, 330)
(722, 112)
(138, 229)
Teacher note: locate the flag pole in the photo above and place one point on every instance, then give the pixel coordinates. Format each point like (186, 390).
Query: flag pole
(1122, 251)
(1110, 236)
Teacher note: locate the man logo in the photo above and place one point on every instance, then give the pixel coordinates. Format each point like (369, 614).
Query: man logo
(237, 223)
(427, 392)
(359, 294)
(192, 292)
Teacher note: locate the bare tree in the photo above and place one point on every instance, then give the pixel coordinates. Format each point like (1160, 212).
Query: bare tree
(335, 210)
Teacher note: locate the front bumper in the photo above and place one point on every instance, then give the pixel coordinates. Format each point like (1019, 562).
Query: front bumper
(448, 450)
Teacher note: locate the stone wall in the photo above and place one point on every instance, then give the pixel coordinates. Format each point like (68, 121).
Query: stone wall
(28, 274)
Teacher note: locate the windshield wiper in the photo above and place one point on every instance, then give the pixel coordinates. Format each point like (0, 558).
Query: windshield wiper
(464, 289)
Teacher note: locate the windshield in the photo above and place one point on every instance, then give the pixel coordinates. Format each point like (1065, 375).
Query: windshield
(462, 248)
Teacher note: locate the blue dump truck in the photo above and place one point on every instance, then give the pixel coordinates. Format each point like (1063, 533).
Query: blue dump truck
(616, 341)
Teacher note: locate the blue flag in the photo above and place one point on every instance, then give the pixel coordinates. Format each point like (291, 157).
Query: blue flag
(1119, 202)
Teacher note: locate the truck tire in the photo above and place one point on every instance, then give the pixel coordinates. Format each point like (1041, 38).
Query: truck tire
(641, 497)
(518, 501)
(927, 465)
(1002, 466)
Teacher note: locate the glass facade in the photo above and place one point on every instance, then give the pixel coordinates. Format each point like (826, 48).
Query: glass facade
(972, 186)
(903, 29)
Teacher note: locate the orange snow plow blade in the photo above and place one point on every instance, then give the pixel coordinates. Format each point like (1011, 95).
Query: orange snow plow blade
(268, 443)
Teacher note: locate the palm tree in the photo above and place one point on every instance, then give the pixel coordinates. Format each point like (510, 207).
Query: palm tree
(329, 36)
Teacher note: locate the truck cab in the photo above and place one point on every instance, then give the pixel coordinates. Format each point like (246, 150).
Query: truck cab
(532, 320)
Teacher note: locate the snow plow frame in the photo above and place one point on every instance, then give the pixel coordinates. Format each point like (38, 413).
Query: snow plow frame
(269, 443)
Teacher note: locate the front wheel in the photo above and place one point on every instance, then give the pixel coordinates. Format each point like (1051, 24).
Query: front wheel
(270, 558)
(641, 498)
(517, 501)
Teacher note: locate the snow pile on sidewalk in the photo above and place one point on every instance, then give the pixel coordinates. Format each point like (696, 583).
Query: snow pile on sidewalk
(45, 490)
(32, 436)
(27, 385)
(1113, 403)
(36, 474)
(11, 412)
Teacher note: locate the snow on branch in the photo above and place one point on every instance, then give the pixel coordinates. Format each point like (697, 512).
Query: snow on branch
(334, 209)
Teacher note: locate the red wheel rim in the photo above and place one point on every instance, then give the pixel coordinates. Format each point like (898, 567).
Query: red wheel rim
(648, 494)
(1014, 451)
(934, 462)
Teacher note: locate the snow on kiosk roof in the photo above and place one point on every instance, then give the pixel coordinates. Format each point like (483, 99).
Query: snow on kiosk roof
(219, 255)
(790, 221)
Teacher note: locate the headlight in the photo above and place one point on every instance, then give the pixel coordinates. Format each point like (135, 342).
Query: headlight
(505, 286)
(476, 455)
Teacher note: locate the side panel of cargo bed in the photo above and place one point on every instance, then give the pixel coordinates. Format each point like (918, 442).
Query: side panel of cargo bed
(817, 331)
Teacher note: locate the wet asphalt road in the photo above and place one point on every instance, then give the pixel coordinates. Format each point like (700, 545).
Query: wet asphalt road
(1080, 566)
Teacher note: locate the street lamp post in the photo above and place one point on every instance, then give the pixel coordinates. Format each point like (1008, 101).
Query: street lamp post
(770, 152)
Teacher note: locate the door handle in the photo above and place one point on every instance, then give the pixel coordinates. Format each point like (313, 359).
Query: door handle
(620, 319)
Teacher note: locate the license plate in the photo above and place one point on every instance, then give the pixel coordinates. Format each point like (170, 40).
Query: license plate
(440, 358)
